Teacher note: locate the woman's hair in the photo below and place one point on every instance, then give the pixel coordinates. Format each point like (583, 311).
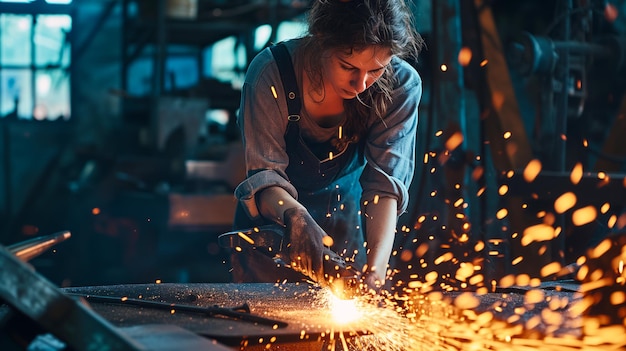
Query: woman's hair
(353, 25)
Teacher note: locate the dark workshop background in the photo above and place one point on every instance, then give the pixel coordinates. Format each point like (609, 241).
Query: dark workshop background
(117, 124)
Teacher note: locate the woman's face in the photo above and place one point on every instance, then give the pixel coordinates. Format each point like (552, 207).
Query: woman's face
(350, 73)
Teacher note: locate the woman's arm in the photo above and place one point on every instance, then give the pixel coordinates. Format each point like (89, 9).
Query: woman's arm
(305, 237)
(390, 153)
(380, 224)
(274, 201)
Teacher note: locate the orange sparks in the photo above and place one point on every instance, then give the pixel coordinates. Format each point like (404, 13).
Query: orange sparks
(550, 268)
(466, 301)
(532, 170)
(246, 238)
(605, 208)
(534, 296)
(502, 213)
(577, 173)
(464, 272)
(465, 56)
(584, 215)
(612, 221)
(517, 260)
(538, 232)
(454, 141)
(618, 298)
(327, 241)
(564, 202)
(503, 189)
(481, 191)
(479, 246)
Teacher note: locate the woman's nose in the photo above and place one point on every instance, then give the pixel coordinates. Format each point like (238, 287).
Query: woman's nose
(359, 82)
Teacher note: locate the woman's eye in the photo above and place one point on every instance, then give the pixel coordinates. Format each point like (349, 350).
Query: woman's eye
(346, 68)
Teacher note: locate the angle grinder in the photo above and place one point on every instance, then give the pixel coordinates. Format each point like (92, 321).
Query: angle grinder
(270, 240)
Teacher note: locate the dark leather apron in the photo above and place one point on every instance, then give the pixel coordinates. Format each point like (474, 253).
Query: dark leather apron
(328, 189)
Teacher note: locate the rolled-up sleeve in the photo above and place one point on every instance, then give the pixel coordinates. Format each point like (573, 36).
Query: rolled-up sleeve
(247, 190)
(262, 118)
(390, 147)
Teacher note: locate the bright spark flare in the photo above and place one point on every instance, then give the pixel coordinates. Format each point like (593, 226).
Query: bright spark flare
(344, 311)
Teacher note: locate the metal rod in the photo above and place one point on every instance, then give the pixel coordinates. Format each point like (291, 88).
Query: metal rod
(241, 312)
(29, 249)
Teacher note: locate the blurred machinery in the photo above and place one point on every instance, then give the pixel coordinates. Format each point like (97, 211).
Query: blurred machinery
(144, 195)
(577, 62)
(572, 72)
(504, 98)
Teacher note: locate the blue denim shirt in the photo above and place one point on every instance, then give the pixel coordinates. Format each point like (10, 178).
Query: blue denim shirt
(389, 148)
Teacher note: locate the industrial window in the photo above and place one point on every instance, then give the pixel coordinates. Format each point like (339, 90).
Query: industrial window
(224, 60)
(34, 60)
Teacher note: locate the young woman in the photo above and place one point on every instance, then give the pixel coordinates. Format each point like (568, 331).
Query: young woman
(330, 142)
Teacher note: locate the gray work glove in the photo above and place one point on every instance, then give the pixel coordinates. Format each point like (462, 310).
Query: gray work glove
(306, 243)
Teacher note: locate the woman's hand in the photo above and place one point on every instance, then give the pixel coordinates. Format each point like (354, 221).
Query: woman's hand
(372, 282)
(306, 243)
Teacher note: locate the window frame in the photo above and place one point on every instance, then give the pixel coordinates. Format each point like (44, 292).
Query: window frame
(34, 9)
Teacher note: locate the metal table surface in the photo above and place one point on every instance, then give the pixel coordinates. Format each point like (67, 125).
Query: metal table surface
(309, 323)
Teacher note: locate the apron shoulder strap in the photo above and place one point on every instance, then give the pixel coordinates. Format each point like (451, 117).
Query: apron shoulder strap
(288, 77)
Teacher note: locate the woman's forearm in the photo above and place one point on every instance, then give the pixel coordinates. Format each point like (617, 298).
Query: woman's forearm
(273, 201)
(380, 223)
